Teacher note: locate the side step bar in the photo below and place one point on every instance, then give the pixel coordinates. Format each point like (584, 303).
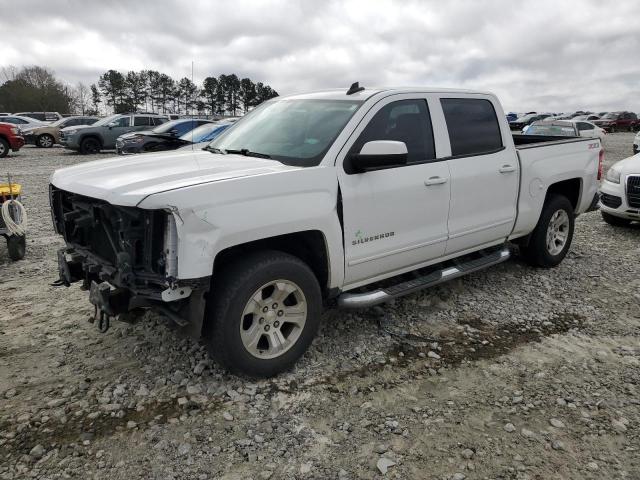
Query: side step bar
(375, 297)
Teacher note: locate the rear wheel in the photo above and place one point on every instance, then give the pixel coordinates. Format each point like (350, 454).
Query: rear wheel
(615, 221)
(90, 146)
(265, 310)
(551, 239)
(17, 246)
(45, 141)
(4, 148)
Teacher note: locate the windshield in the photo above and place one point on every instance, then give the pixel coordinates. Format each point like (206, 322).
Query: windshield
(295, 132)
(205, 133)
(524, 118)
(555, 130)
(106, 120)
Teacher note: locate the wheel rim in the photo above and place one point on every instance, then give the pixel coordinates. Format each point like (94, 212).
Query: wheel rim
(2, 148)
(273, 319)
(557, 232)
(46, 141)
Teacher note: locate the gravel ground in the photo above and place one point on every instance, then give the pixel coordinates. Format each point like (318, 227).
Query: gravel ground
(510, 373)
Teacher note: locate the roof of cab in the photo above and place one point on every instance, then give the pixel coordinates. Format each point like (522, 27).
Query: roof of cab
(341, 94)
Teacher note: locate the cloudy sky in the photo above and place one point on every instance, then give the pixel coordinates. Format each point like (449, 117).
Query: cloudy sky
(556, 55)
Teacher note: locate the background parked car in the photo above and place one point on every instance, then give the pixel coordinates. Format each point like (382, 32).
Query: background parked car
(10, 139)
(208, 132)
(102, 135)
(22, 122)
(554, 128)
(512, 117)
(588, 129)
(589, 117)
(158, 139)
(636, 144)
(617, 121)
(46, 136)
(525, 120)
(42, 116)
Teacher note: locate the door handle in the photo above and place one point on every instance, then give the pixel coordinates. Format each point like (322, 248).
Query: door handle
(507, 169)
(435, 181)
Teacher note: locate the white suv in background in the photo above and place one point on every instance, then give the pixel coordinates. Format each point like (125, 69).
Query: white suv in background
(620, 191)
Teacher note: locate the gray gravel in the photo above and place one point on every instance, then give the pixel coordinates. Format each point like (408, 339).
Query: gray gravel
(511, 373)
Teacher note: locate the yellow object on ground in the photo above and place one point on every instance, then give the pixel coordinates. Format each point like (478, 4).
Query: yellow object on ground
(7, 190)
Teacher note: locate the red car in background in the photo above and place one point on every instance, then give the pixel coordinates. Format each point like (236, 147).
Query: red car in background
(10, 138)
(618, 122)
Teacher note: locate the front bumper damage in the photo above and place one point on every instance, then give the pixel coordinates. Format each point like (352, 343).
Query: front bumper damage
(126, 257)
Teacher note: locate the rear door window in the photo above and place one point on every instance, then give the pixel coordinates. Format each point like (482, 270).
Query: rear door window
(472, 125)
(405, 121)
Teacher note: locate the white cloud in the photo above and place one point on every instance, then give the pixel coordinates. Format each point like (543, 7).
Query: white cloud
(542, 55)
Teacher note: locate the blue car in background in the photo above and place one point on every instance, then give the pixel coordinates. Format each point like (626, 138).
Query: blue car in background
(511, 117)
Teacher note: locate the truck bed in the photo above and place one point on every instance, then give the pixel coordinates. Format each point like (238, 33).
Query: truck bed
(547, 160)
(532, 141)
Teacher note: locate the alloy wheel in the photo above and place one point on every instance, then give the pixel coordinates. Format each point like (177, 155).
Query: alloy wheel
(558, 232)
(273, 319)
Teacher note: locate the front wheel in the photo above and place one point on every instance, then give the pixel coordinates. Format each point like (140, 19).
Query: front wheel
(45, 141)
(265, 310)
(551, 239)
(4, 148)
(90, 146)
(615, 221)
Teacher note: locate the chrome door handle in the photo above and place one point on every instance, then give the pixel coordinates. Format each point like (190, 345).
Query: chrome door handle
(435, 181)
(507, 169)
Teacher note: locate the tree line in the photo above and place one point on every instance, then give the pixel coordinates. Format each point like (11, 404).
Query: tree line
(158, 92)
(36, 88)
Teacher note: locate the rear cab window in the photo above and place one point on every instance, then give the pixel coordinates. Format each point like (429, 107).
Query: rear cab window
(473, 126)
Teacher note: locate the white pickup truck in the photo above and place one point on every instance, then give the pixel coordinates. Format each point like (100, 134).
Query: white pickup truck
(347, 198)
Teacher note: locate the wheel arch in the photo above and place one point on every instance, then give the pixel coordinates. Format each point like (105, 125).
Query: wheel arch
(97, 136)
(570, 188)
(310, 246)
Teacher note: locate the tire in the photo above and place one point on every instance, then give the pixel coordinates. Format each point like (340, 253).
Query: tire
(4, 148)
(615, 221)
(237, 334)
(549, 252)
(89, 146)
(45, 141)
(17, 246)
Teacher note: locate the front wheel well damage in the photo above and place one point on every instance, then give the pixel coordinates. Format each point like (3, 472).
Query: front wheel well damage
(309, 246)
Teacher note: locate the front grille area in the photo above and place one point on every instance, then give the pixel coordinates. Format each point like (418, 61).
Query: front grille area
(633, 191)
(119, 244)
(610, 201)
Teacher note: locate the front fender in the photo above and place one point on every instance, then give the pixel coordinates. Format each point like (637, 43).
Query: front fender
(215, 216)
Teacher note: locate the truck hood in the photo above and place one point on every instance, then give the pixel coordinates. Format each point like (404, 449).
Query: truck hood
(127, 180)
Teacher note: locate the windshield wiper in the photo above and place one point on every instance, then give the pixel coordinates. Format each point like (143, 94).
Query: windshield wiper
(211, 149)
(248, 153)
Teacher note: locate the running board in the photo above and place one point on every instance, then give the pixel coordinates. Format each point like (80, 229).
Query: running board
(375, 297)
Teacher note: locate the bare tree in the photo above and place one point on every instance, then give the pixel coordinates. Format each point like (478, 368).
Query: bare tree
(81, 97)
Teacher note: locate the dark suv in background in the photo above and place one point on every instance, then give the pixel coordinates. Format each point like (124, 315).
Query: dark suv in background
(102, 135)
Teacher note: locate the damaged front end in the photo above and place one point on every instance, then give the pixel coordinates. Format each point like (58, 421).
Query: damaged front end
(127, 258)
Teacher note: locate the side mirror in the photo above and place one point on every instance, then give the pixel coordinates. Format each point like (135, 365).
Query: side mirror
(173, 131)
(111, 125)
(379, 154)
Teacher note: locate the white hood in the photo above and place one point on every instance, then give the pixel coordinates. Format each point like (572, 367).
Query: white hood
(128, 180)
